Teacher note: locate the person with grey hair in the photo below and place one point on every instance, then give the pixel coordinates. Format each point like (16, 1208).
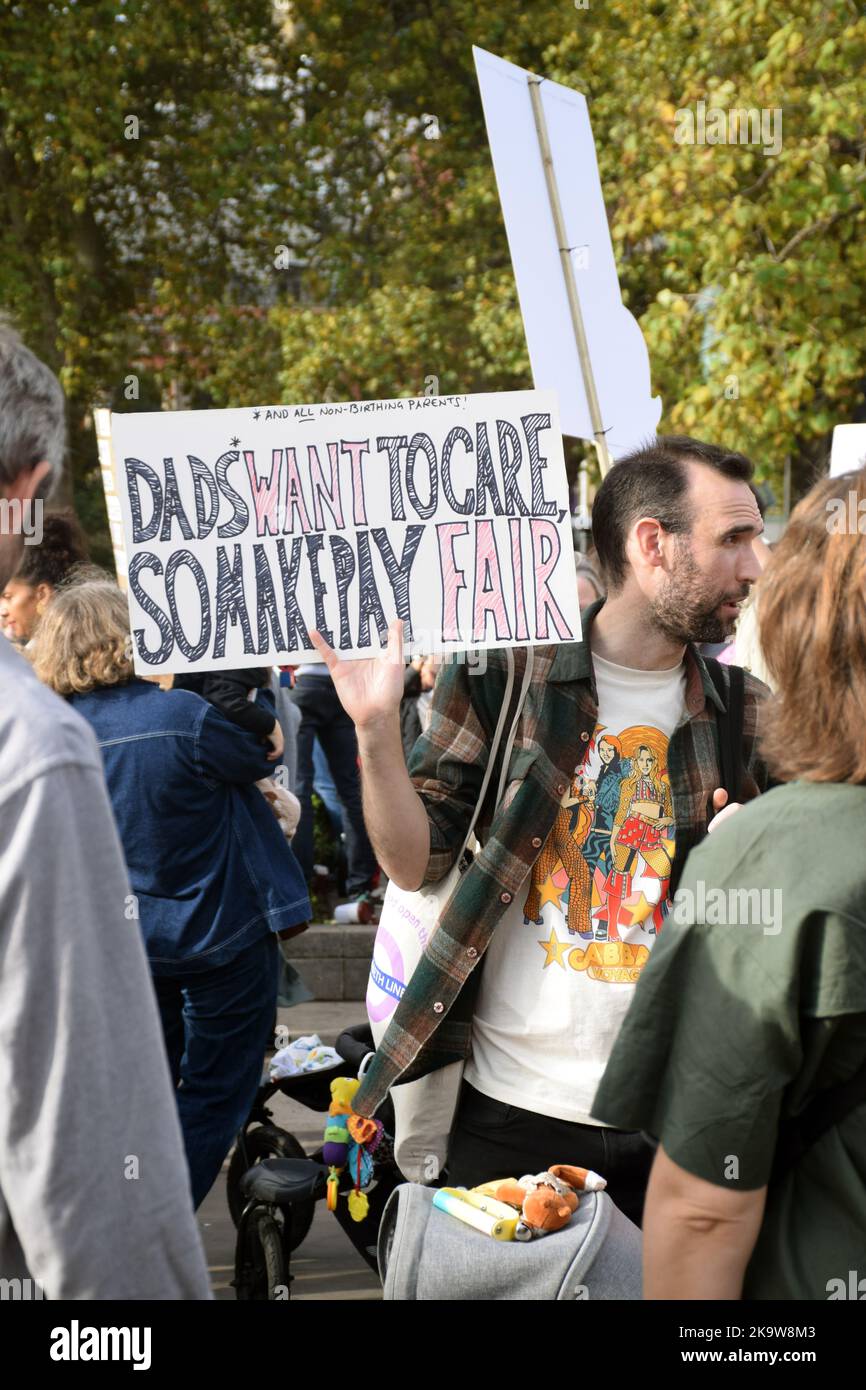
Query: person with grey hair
(94, 1191)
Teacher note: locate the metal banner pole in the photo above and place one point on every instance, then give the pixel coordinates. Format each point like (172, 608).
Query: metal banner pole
(604, 458)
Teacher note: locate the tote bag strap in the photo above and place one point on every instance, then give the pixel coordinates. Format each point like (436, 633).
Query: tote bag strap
(527, 679)
(497, 739)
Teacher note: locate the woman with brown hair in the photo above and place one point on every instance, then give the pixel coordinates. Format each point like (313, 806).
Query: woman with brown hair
(744, 1051)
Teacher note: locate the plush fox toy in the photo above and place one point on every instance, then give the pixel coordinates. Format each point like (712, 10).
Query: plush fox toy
(546, 1201)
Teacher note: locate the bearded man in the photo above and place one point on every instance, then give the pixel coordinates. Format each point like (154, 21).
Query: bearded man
(534, 1014)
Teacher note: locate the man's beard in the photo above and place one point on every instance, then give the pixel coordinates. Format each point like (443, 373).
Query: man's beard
(686, 609)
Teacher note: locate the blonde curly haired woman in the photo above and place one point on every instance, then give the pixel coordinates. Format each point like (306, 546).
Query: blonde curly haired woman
(214, 881)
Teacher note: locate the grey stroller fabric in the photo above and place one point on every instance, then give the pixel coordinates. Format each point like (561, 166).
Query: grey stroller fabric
(426, 1254)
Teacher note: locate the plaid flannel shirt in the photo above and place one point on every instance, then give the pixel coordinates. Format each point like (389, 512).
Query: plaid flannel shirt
(432, 1025)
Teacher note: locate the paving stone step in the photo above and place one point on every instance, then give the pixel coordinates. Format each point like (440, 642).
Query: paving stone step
(333, 961)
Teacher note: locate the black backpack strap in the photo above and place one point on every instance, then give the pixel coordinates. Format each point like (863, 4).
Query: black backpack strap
(732, 693)
(798, 1133)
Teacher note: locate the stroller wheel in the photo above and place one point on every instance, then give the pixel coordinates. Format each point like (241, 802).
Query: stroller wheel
(261, 1273)
(268, 1141)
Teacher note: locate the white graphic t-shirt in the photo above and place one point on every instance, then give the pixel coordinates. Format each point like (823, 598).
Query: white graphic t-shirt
(563, 962)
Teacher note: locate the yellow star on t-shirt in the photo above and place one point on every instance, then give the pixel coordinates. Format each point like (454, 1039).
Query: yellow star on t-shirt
(549, 893)
(641, 912)
(555, 949)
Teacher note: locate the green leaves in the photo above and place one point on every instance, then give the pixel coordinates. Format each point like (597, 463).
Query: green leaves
(154, 155)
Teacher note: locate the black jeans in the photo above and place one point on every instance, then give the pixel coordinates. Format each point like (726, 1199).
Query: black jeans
(323, 717)
(490, 1140)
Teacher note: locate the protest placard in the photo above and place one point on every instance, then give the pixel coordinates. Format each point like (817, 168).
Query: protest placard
(848, 450)
(543, 154)
(245, 528)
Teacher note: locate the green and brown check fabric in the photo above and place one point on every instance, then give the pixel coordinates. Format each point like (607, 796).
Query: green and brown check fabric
(432, 1024)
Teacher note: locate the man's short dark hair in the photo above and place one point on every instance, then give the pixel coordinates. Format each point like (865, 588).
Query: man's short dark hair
(653, 481)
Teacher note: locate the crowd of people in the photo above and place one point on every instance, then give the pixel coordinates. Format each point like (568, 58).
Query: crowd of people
(710, 1065)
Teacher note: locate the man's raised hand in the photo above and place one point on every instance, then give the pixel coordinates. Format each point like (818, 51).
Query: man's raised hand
(369, 689)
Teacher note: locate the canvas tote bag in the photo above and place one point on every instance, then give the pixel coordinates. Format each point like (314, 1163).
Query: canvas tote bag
(424, 1109)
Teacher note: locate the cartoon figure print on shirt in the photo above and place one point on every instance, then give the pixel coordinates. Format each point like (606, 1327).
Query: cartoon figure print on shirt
(606, 864)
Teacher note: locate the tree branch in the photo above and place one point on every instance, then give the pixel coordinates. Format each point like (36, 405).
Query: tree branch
(823, 225)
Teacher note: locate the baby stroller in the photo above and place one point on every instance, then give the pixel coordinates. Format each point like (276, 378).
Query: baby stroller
(273, 1185)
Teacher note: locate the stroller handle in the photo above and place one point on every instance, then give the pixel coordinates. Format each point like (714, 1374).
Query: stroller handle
(355, 1045)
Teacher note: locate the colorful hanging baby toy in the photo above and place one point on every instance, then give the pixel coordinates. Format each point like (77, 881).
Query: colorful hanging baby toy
(350, 1142)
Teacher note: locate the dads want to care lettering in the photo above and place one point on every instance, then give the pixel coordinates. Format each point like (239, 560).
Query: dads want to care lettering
(322, 508)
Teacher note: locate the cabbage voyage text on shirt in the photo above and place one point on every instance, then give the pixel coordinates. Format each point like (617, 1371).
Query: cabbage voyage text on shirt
(245, 528)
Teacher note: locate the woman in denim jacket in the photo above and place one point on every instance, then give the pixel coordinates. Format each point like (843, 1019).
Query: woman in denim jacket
(214, 881)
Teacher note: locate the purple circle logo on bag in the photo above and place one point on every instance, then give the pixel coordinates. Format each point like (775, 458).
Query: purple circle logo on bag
(386, 984)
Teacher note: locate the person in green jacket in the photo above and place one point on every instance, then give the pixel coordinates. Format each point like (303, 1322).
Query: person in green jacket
(744, 1050)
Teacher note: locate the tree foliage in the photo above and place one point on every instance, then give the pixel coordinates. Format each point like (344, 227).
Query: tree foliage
(138, 144)
(347, 139)
(746, 271)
